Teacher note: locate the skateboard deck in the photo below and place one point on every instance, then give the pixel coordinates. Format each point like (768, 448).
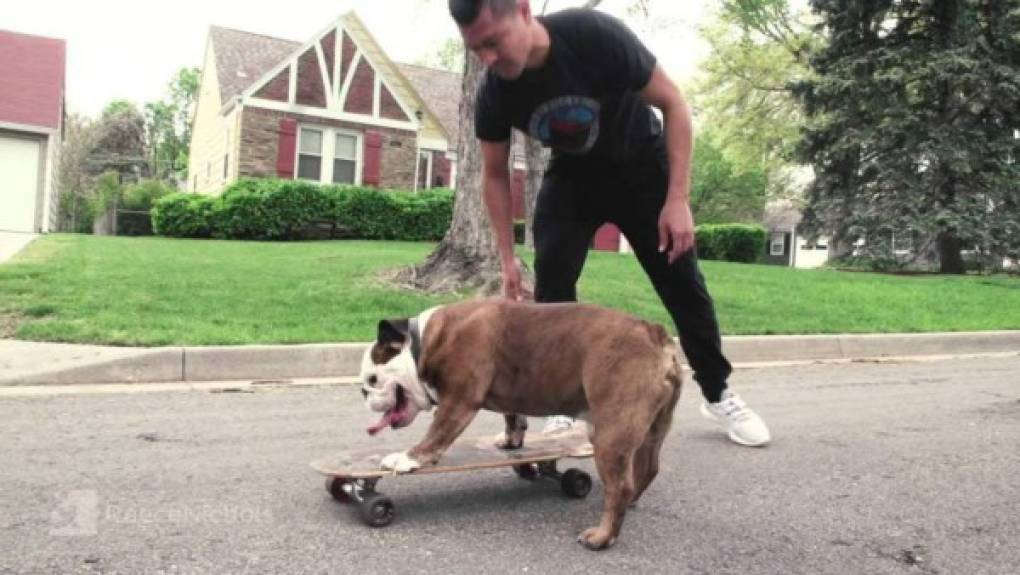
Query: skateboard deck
(464, 455)
(351, 477)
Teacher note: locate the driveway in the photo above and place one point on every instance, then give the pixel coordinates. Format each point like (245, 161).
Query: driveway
(12, 243)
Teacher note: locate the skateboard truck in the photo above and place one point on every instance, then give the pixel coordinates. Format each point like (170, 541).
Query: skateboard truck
(376, 509)
(574, 482)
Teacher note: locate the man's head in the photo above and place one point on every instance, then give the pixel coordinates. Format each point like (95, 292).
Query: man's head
(497, 31)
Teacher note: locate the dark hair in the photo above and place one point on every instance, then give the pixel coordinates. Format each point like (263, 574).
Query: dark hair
(465, 12)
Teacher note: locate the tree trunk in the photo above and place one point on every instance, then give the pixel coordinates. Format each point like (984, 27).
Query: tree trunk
(950, 259)
(536, 158)
(466, 258)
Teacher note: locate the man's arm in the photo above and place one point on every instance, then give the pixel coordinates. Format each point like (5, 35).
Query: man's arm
(499, 203)
(676, 224)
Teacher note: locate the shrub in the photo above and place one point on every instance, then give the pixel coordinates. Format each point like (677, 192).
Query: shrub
(730, 242)
(184, 215)
(141, 196)
(133, 218)
(288, 210)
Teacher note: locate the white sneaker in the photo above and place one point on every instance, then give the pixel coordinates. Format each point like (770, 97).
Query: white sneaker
(557, 423)
(743, 425)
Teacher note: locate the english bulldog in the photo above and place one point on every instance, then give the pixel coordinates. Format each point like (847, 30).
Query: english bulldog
(618, 373)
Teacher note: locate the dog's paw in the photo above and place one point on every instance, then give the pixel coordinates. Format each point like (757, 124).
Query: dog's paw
(596, 539)
(399, 463)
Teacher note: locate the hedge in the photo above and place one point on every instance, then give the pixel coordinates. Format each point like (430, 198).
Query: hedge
(269, 209)
(730, 242)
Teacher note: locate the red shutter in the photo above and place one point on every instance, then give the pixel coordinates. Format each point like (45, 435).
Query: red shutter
(372, 159)
(286, 149)
(607, 238)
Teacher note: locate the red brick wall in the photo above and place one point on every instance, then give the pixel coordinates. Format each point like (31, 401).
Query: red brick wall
(362, 90)
(278, 88)
(329, 51)
(346, 56)
(309, 81)
(389, 108)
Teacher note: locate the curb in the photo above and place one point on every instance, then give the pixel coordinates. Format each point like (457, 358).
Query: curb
(27, 363)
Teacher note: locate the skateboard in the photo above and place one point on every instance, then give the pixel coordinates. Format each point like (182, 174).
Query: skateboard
(351, 477)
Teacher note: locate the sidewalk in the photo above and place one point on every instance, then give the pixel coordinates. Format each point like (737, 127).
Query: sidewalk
(30, 363)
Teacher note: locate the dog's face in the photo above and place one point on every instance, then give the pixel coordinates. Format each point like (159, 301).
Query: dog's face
(389, 378)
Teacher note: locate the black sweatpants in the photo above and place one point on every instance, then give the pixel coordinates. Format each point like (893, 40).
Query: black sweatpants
(575, 199)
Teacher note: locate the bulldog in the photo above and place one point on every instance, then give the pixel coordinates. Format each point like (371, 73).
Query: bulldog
(618, 373)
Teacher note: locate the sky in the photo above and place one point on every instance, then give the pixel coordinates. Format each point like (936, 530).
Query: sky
(130, 49)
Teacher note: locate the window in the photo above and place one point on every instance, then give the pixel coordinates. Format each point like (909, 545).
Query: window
(345, 159)
(310, 155)
(777, 246)
(328, 155)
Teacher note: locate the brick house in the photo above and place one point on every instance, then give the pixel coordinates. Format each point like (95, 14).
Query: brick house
(31, 130)
(333, 109)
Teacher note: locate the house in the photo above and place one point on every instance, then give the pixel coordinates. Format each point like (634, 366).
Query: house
(334, 109)
(786, 247)
(31, 130)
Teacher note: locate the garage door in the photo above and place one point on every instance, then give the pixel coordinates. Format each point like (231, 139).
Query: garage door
(19, 183)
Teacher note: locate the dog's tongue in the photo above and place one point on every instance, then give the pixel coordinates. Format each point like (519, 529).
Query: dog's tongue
(385, 421)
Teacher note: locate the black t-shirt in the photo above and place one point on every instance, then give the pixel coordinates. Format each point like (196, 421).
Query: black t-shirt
(584, 100)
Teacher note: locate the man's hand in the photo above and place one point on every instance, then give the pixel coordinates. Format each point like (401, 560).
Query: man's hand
(676, 228)
(513, 285)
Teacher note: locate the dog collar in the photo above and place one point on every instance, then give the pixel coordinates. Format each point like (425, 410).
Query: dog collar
(415, 332)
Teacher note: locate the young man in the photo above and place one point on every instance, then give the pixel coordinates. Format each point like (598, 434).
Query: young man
(582, 83)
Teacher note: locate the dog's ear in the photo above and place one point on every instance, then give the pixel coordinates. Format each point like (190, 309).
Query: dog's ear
(393, 332)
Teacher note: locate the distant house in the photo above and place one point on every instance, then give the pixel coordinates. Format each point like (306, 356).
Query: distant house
(786, 246)
(31, 130)
(334, 109)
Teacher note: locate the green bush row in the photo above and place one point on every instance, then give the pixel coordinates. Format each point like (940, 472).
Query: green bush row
(268, 209)
(730, 242)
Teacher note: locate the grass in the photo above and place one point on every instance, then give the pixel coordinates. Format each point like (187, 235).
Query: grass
(155, 291)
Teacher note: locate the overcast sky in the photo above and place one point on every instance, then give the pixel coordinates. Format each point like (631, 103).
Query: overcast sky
(130, 49)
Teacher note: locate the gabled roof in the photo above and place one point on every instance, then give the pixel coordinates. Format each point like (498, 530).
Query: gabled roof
(243, 57)
(440, 89)
(32, 77)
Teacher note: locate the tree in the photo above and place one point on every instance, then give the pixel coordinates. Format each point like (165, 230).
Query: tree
(120, 142)
(448, 56)
(168, 126)
(73, 177)
(466, 258)
(745, 91)
(722, 192)
(913, 118)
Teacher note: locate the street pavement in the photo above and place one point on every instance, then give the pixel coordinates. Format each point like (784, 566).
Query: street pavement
(876, 467)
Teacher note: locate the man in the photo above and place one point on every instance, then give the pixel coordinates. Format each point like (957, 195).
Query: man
(582, 83)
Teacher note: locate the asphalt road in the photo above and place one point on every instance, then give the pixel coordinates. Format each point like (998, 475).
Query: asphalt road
(875, 468)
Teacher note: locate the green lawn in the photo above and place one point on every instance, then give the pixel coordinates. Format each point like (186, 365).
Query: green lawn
(154, 291)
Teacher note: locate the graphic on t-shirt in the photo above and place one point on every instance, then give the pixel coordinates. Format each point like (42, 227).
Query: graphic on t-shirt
(568, 124)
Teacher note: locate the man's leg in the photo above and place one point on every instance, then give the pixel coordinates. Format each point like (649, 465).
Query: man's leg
(563, 229)
(683, 291)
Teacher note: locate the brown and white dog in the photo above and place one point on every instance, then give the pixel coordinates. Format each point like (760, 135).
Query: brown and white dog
(617, 372)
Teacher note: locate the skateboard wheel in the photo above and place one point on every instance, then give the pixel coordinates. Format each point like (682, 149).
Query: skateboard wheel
(335, 487)
(575, 483)
(377, 510)
(526, 471)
